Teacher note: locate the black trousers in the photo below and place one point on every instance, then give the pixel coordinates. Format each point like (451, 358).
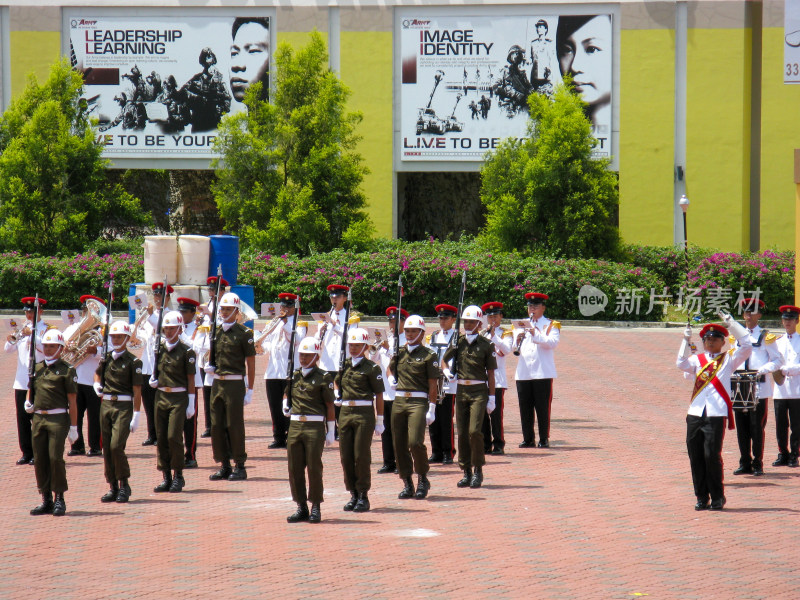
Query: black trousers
(387, 444)
(750, 434)
(207, 406)
(493, 436)
(190, 434)
(149, 403)
(787, 415)
(535, 396)
(23, 424)
(704, 436)
(280, 424)
(88, 404)
(441, 430)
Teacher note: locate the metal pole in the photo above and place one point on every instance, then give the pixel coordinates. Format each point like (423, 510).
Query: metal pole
(684, 204)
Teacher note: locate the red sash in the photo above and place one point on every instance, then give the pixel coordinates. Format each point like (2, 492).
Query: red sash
(708, 374)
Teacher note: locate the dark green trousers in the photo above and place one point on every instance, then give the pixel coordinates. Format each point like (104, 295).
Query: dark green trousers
(170, 416)
(470, 412)
(49, 434)
(304, 446)
(408, 430)
(227, 421)
(356, 428)
(115, 427)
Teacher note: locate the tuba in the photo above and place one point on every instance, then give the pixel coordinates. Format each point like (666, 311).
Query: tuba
(86, 335)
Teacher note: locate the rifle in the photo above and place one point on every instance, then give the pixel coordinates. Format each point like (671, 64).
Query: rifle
(343, 351)
(457, 334)
(397, 317)
(32, 352)
(290, 363)
(105, 333)
(158, 328)
(212, 345)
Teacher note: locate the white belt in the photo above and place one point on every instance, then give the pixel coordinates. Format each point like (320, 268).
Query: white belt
(470, 382)
(52, 411)
(229, 377)
(117, 397)
(172, 390)
(356, 402)
(399, 394)
(304, 418)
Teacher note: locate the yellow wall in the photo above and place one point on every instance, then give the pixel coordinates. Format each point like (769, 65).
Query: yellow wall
(32, 52)
(646, 148)
(718, 137)
(780, 135)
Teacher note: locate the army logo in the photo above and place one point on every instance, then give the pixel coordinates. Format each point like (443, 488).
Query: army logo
(138, 370)
(379, 377)
(435, 364)
(250, 341)
(191, 360)
(330, 385)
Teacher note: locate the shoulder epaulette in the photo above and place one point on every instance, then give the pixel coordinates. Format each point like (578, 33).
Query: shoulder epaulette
(302, 324)
(731, 339)
(507, 333)
(428, 338)
(770, 338)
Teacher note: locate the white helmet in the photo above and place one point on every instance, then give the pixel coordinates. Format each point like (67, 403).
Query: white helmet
(414, 322)
(231, 299)
(357, 335)
(309, 345)
(119, 328)
(472, 313)
(53, 336)
(172, 319)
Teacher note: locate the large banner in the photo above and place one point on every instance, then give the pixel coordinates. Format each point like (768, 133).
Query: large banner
(465, 81)
(791, 38)
(160, 85)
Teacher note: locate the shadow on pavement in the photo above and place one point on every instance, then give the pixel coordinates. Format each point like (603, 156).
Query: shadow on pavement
(760, 510)
(91, 513)
(157, 501)
(210, 491)
(391, 509)
(348, 521)
(452, 498)
(492, 486)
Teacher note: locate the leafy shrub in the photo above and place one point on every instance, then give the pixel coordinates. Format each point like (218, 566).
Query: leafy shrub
(668, 262)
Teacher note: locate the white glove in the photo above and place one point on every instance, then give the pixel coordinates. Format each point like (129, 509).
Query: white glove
(190, 410)
(153, 382)
(392, 380)
(329, 437)
(98, 388)
(790, 370)
(430, 416)
(248, 396)
(379, 428)
(764, 371)
(28, 406)
(135, 420)
(209, 369)
(286, 410)
(447, 374)
(490, 405)
(73, 434)
(337, 401)
(687, 375)
(687, 333)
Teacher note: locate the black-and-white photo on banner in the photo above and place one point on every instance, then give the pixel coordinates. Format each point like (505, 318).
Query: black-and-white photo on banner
(159, 86)
(465, 81)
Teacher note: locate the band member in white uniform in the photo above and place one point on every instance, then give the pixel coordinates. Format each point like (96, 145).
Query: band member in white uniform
(385, 350)
(441, 430)
(787, 396)
(493, 435)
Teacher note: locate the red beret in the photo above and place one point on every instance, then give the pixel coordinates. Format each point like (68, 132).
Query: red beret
(446, 309)
(86, 297)
(289, 297)
(392, 310)
(714, 329)
(158, 286)
(492, 308)
(187, 303)
(532, 297)
(786, 311)
(335, 288)
(213, 281)
(29, 300)
(748, 304)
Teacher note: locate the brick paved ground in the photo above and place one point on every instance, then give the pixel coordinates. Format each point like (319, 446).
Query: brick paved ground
(606, 512)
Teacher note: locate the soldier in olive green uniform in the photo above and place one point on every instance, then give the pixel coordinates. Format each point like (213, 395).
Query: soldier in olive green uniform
(234, 357)
(414, 371)
(360, 382)
(311, 404)
(173, 378)
(474, 364)
(55, 418)
(118, 383)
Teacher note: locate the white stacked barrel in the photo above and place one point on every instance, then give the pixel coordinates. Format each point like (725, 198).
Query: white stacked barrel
(186, 291)
(193, 253)
(161, 258)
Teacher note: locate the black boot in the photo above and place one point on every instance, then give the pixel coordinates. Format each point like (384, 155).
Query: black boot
(301, 514)
(177, 483)
(239, 473)
(408, 489)
(46, 507)
(316, 515)
(164, 485)
(477, 478)
(223, 472)
(363, 503)
(351, 504)
(111, 494)
(423, 485)
(781, 461)
(464, 481)
(388, 468)
(124, 491)
(59, 506)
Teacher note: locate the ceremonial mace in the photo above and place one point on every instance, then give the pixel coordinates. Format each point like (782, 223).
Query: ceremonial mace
(684, 204)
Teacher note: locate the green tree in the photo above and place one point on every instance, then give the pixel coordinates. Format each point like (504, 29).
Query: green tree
(546, 193)
(289, 177)
(54, 196)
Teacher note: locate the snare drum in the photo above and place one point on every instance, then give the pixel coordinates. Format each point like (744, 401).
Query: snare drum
(744, 388)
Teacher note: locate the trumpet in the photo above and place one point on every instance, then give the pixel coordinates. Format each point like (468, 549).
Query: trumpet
(16, 331)
(518, 345)
(271, 326)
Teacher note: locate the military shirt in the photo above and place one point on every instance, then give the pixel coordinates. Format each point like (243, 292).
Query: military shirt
(121, 374)
(232, 347)
(413, 370)
(361, 382)
(177, 366)
(312, 393)
(52, 384)
(475, 360)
